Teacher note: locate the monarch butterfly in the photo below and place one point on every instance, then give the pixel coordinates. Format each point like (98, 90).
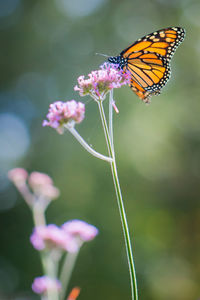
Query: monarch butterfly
(148, 61)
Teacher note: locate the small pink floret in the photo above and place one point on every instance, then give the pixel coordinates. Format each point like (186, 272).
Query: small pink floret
(61, 113)
(42, 284)
(81, 229)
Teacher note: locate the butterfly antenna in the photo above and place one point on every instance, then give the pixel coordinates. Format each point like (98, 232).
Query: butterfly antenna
(102, 54)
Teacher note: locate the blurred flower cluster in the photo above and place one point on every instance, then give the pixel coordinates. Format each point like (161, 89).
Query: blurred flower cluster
(55, 243)
(68, 237)
(36, 188)
(59, 245)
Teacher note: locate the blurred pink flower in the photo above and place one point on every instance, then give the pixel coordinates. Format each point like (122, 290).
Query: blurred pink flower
(42, 185)
(100, 82)
(37, 178)
(52, 236)
(80, 229)
(18, 176)
(61, 113)
(42, 284)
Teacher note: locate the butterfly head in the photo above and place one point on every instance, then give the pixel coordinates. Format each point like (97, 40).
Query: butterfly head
(114, 59)
(118, 60)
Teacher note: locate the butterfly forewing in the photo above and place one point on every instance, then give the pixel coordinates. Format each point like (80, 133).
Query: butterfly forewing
(148, 60)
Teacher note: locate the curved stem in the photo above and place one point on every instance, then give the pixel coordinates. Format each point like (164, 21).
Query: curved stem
(86, 146)
(120, 206)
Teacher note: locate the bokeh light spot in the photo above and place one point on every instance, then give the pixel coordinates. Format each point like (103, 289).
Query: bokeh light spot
(79, 8)
(8, 197)
(14, 137)
(171, 278)
(8, 7)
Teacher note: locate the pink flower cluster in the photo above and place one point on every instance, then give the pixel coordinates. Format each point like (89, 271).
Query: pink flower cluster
(61, 113)
(51, 236)
(42, 284)
(41, 185)
(100, 82)
(68, 237)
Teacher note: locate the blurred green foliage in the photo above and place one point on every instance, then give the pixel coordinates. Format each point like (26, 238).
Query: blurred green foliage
(45, 46)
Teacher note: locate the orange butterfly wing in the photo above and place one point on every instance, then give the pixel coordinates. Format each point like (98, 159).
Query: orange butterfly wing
(148, 60)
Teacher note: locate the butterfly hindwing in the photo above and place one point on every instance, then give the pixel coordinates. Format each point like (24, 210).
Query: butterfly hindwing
(151, 74)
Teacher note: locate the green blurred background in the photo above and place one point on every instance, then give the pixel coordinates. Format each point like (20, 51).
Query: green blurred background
(45, 46)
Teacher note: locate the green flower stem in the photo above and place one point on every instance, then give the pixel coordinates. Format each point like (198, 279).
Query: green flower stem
(85, 145)
(38, 214)
(39, 220)
(111, 117)
(120, 204)
(66, 271)
(50, 270)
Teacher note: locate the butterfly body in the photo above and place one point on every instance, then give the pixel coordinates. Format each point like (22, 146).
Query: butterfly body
(148, 61)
